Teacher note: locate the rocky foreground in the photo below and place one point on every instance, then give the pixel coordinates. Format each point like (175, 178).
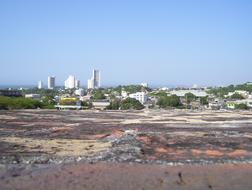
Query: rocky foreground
(177, 149)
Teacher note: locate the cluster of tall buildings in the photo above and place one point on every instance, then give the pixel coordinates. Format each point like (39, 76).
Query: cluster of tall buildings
(50, 83)
(72, 82)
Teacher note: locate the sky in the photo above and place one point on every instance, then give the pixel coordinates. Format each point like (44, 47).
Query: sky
(161, 42)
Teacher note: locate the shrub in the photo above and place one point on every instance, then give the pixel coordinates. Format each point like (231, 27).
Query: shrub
(169, 101)
(241, 106)
(131, 103)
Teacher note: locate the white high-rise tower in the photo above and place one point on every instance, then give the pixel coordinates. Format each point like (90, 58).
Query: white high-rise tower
(95, 81)
(40, 84)
(72, 82)
(51, 82)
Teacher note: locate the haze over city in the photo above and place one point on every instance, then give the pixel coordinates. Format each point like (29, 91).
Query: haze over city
(159, 42)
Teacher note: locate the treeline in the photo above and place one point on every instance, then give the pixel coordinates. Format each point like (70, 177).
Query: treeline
(42, 92)
(169, 101)
(7, 103)
(222, 91)
(131, 88)
(128, 103)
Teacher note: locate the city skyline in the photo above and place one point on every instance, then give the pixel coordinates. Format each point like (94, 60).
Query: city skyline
(159, 42)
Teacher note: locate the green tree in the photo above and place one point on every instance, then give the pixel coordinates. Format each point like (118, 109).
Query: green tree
(19, 103)
(131, 103)
(169, 101)
(241, 106)
(204, 100)
(98, 95)
(237, 96)
(190, 97)
(114, 105)
(86, 105)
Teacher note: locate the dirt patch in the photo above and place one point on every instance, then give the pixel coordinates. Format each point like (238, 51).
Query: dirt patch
(58, 147)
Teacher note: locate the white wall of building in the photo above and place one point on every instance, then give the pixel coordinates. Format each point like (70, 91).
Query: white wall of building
(77, 83)
(90, 84)
(72, 82)
(40, 84)
(140, 96)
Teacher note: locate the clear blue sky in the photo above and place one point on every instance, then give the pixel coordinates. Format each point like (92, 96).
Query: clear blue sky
(169, 42)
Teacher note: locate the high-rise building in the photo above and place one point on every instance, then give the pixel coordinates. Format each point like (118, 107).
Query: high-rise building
(72, 82)
(77, 83)
(95, 81)
(90, 84)
(96, 77)
(40, 84)
(51, 82)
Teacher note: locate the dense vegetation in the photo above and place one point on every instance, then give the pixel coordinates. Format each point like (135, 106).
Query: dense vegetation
(131, 103)
(204, 100)
(128, 103)
(190, 97)
(241, 106)
(20, 103)
(98, 95)
(169, 101)
(159, 94)
(222, 91)
(237, 96)
(131, 88)
(42, 92)
(114, 104)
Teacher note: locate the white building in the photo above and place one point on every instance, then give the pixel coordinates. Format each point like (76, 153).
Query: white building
(77, 83)
(51, 82)
(72, 82)
(232, 104)
(40, 84)
(33, 96)
(101, 105)
(90, 84)
(95, 81)
(243, 93)
(144, 84)
(124, 94)
(79, 92)
(140, 96)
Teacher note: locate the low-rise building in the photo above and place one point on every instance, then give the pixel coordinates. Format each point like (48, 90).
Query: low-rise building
(100, 104)
(140, 96)
(233, 104)
(33, 96)
(86, 98)
(79, 92)
(243, 93)
(124, 94)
